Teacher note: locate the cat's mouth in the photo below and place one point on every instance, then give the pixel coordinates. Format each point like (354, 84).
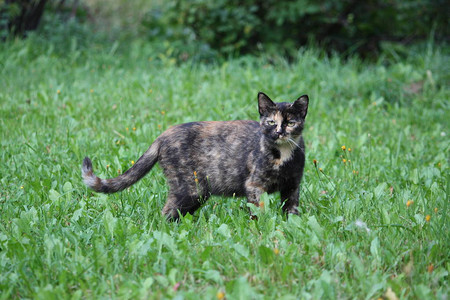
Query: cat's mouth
(282, 139)
(287, 140)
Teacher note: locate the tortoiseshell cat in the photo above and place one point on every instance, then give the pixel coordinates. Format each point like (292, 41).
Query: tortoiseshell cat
(241, 158)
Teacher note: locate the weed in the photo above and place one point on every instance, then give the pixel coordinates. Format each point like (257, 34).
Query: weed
(373, 219)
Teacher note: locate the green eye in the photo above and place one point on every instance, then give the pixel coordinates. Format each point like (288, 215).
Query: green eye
(271, 122)
(291, 124)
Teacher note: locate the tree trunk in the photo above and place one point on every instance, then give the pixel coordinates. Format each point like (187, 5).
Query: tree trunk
(28, 17)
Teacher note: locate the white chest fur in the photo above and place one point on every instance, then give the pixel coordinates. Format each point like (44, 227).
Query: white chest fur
(286, 154)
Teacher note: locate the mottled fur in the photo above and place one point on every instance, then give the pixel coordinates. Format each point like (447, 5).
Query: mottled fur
(240, 158)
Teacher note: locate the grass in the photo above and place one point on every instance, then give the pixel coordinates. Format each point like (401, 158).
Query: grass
(357, 235)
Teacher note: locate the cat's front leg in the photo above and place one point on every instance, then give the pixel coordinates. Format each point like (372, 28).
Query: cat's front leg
(290, 200)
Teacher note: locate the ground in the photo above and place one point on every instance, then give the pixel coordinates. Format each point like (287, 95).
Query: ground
(373, 213)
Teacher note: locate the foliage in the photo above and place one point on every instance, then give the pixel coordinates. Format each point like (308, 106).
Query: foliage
(205, 30)
(19, 18)
(236, 27)
(370, 226)
(62, 30)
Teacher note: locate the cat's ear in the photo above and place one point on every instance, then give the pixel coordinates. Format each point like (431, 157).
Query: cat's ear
(301, 105)
(265, 104)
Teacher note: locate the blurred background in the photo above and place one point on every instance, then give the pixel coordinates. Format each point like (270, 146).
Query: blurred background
(211, 30)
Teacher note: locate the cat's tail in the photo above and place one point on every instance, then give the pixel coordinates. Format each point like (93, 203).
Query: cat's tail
(143, 165)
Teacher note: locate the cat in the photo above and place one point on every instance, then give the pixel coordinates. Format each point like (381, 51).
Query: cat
(229, 158)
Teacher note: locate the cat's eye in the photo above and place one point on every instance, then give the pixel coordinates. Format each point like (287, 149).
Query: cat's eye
(271, 122)
(291, 124)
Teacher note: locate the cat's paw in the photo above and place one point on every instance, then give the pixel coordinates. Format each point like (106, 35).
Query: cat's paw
(292, 210)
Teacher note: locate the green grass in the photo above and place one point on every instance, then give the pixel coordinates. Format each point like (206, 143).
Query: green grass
(355, 236)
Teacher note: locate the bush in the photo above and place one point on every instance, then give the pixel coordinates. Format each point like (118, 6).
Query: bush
(246, 26)
(60, 28)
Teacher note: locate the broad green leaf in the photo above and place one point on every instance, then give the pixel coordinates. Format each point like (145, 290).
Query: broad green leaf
(166, 240)
(375, 251)
(162, 280)
(67, 187)
(224, 230)
(314, 225)
(148, 282)
(77, 214)
(266, 254)
(206, 252)
(323, 287)
(415, 176)
(380, 190)
(242, 250)
(357, 265)
(173, 275)
(242, 290)
(287, 270)
(109, 221)
(213, 275)
(54, 196)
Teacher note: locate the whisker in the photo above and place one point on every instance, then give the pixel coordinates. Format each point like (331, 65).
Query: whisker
(293, 142)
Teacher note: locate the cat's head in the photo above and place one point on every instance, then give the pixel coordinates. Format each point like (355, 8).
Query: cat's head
(282, 122)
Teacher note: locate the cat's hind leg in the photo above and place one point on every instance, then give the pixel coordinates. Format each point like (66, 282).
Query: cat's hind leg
(177, 204)
(185, 196)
